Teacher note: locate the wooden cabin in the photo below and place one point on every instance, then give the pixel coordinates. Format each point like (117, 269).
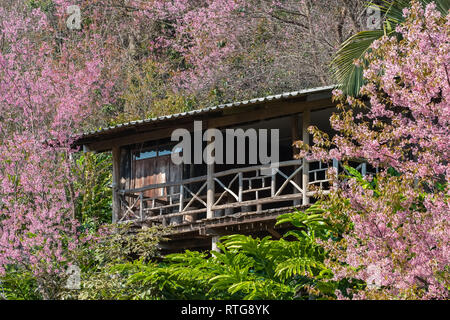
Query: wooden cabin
(202, 202)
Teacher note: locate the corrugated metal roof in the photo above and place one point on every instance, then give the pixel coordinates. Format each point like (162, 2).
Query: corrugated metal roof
(276, 97)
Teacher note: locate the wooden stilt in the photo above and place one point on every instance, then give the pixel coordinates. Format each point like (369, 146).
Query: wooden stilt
(214, 241)
(295, 134)
(305, 137)
(210, 186)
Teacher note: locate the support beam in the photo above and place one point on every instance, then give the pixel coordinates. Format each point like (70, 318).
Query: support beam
(241, 186)
(295, 135)
(214, 241)
(364, 169)
(210, 184)
(306, 116)
(141, 206)
(274, 233)
(336, 167)
(115, 183)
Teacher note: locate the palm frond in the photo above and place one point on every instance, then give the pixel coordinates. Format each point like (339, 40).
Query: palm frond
(348, 76)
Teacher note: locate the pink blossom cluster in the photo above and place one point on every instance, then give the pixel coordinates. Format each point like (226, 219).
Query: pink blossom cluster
(398, 242)
(416, 100)
(48, 86)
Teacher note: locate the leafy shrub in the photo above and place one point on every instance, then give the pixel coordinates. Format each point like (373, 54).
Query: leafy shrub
(249, 268)
(103, 255)
(18, 284)
(92, 189)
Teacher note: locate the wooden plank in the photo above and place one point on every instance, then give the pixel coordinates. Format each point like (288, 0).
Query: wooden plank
(227, 189)
(136, 136)
(289, 180)
(210, 191)
(295, 136)
(258, 189)
(167, 184)
(180, 207)
(176, 214)
(223, 194)
(175, 174)
(203, 178)
(196, 196)
(259, 201)
(141, 205)
(227, 221)
(273, 183)
(256, 168)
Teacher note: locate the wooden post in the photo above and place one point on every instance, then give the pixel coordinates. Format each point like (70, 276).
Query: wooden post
(305, 137)
(141, 206)
(180, 208)
(364, 169)
(259, 205)
(115, 183)
(241, 186)
(295, 134)
(210, 186)
(336, 167)
(214, 241)
(273, 182)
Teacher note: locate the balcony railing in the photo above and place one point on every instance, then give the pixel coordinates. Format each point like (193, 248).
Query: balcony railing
(236, 190)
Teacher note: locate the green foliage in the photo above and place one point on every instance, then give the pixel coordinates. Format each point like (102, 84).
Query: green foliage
(249, 268)
(93, 203)
(147, 95)
(18, 284)
(125, 243)
(310, 222)
(111, 283)
(109, 258)
(348, 75)
(123, 262)
(362, 181)
(45, 5)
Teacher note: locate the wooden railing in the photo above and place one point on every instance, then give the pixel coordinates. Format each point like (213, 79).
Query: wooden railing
(238, 189)
(135, 205)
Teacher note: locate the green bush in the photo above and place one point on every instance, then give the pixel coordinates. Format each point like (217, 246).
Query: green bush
(93, 199)
(18, 284)
(247, 267)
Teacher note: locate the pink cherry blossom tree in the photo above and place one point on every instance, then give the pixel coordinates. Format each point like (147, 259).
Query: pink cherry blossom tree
(395, 225)
(48, 86)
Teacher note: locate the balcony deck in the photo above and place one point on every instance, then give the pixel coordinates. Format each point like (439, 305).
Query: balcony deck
(239, 193)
